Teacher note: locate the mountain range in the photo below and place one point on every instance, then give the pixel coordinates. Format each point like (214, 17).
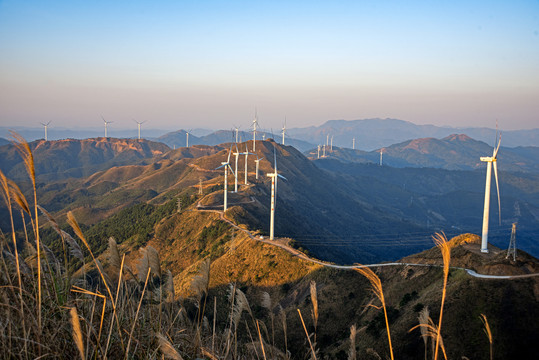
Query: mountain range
(454, 152)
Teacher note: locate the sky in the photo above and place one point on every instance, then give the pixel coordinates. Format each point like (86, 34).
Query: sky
(210, 64)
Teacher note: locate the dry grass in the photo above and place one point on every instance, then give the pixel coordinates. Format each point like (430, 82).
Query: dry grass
(487, 332)
(441, 242)
(376, 286)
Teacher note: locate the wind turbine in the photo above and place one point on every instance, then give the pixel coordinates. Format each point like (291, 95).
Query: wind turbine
(187, 132)
(273, 177)
(237, 130)
(255, 124)
(381, 156)
(246, 153)
(226, 165)
(491, 161)
(318, 151)
(138, 124)
(257, 162)
(353, 143)
(106, 123)
(283, 130)
(237, 155)
(45, 125)
(331, 148)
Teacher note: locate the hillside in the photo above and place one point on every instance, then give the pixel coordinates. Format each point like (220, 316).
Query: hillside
(60, 159)
(185, 239)
(454, 152)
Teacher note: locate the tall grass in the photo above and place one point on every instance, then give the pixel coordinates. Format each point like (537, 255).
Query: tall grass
(376, 286)
(441, 242)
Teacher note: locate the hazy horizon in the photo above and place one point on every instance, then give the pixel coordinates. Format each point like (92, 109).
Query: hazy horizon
(183, 65)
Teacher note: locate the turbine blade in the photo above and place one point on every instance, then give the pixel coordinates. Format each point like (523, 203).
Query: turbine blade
(233, 173)
(217, 168)
(497, 147)
(229, 152)
(282, 177)
(498, 191)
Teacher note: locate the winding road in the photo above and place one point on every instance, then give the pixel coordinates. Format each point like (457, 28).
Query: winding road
(303, 256)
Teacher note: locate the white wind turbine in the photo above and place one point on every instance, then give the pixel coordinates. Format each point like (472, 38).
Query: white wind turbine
(381, 156)
(237, 155)
(187, 132)
(226, 165)
(283, 130)
(45, 125)
(273, 177)
(255, 124)
(491, 161)
(106, 123)
(138, 125)
(246, 153)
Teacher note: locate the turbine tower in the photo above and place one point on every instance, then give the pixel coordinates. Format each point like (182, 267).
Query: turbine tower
(237, 155)
(45, 125)
(226, 165)
(491, 162)
(187, 137)
(283, 130)
(255, 124)
(318, 152)
(138, 125)
(106, 123)
(246, 153)
(381, 156)
(353, 143)
(257, 162)
(273, 177)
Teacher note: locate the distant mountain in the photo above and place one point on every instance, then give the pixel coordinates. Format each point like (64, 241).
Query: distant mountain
(373, 134)
(3, 141)
(455, 152)
(178, 139)
(78, 158)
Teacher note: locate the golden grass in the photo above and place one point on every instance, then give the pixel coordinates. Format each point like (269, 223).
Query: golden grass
(376, 286)
(441, 242)
(488, 332)
(77, 332)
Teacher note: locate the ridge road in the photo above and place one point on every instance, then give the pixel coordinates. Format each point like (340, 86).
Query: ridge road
(303, 256)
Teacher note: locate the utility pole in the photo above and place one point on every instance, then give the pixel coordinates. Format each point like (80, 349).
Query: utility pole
(513, 243)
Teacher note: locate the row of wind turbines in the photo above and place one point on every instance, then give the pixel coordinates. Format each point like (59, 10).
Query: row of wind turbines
(106, 123)
(274, 175)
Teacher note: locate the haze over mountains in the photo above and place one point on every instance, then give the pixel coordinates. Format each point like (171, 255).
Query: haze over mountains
(370, 134)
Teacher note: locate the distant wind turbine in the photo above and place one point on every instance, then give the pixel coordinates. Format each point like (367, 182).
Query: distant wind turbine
(45, 125)
(187, 137)
(226, 165)
(491, 161)
(331, 148)
(138, 124)
(318, 151)
(353, 143)
(273, 177)
(381, 156)
(106, 123)
(283, 130)
(255, 124)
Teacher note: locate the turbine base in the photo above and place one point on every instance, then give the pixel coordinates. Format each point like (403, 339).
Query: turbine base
(485, 251)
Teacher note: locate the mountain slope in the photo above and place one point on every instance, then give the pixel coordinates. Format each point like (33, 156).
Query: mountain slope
(78, 158)
(454, 152)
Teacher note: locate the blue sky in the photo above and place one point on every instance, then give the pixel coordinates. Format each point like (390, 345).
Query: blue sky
(186, 64)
